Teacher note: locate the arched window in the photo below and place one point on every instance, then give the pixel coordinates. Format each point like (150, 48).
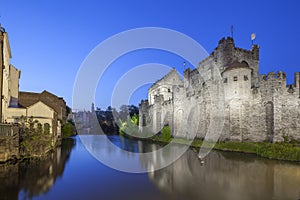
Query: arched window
(46, 128)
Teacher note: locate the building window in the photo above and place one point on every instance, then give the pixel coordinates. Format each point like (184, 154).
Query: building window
(235, 78)
(169, 90)
(225, 80)
(245, 78)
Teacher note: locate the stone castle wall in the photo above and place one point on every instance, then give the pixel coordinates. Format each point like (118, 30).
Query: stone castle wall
(226, 89)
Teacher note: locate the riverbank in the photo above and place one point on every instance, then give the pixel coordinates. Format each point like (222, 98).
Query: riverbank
(16, 148)
(40, 154)
(280, 151)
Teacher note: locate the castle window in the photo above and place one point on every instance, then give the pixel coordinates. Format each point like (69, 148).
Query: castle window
(169, 90)
(245, 78)
(225, 80)
(235, 78)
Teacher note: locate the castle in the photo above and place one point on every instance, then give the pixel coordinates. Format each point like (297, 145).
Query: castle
(225, 90)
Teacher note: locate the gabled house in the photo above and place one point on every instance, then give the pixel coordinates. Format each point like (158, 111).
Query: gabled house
(45, 107)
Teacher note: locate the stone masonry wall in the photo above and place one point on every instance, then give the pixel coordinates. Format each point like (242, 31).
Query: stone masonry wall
(9, 143)
(226, 85)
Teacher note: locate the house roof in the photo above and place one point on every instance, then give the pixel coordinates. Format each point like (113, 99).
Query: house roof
(27, 99)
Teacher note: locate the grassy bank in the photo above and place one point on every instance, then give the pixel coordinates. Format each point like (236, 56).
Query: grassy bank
(280, 151)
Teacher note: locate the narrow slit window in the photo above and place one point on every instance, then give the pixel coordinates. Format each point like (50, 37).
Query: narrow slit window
(235, 78)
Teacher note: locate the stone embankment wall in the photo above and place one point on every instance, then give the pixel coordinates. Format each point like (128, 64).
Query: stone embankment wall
(9, 142)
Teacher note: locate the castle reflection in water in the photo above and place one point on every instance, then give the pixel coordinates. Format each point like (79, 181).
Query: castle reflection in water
(225, 176)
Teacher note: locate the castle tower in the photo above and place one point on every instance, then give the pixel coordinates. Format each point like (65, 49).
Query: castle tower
(237, 87)
(226, 53)
(143, 114)
(93, 108)
(237, 81)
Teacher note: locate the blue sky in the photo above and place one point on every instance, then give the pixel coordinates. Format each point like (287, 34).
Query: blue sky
(50, 39)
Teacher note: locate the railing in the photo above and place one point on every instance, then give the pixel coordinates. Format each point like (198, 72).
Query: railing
(8, 130)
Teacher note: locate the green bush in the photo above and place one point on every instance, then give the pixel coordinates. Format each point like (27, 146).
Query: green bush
(33, 140)
(166, 133)
(130, 126)
(67, 130)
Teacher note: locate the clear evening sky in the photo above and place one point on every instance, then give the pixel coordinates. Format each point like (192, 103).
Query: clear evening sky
(50, 38)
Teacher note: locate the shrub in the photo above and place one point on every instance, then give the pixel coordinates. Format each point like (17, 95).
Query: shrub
(68, 130)
(130, 126)
(166, 133)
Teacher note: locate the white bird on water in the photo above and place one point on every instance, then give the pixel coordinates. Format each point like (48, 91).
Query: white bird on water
(201, 160)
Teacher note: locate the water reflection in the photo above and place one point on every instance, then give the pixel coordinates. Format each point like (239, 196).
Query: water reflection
(228, 176)
(223, 176)
(31, 178)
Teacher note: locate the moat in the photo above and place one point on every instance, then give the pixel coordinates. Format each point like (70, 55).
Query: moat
(72, 173)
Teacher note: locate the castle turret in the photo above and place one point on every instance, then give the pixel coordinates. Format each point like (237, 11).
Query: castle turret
(143, 113)
(237, 81)
(297, 82)
(226, 53)
(237, 90)
(226, 86)
(187, 77)
(93, 108)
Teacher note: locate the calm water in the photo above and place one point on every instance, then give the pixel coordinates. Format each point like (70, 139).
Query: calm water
(72, 173)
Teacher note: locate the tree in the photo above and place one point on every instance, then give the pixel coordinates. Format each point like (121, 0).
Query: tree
(35, 138)
(130, 126)
(133, 110)
(68, 110)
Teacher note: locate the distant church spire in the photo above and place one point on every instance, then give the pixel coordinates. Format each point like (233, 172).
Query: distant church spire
(93, 107)
(231, 31)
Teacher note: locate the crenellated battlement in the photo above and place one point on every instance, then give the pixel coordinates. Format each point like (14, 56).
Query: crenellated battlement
(276, 82)
(227, 47)
(144, 103)
(297, 79)
(272, 76)
(257, 107)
